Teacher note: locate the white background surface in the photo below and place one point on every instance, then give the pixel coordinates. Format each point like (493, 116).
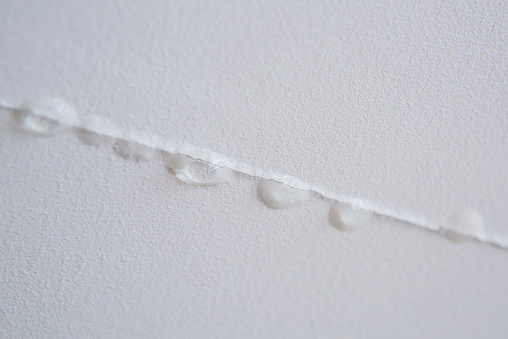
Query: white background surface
(402, 105)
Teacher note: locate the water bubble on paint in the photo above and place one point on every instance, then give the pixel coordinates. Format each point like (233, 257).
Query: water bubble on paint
(196, 172)
(347, 217)
(45, 116)
(278, 195)
(464, 225)
(133, 151)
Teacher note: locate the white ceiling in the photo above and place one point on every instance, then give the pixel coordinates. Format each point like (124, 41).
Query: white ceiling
(399, 105)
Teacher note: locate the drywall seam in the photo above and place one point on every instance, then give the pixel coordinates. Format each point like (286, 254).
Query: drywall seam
(103, 128)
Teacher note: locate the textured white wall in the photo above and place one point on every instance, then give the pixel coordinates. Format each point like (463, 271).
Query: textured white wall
(399, 104)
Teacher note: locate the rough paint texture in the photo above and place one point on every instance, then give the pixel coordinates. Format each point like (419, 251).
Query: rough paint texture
(93, 245)
(398, 103)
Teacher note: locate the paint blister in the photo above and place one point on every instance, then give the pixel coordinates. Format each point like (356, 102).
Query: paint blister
(347, 217)
(45, 116)
(133, 151)
(196, 172)
(278, 195)
(464, 225)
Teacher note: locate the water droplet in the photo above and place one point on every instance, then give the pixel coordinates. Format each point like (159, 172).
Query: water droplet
(464, 225)
(278, 195)
(97, 131)
(45, 117)
(196, 172)
(133, 151)
(347, 217)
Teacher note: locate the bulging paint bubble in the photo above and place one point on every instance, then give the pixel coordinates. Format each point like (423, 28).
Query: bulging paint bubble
(133, 151)
(464, 225)
(347, 217)
(278, 195)
(196, 172)
(97, 131)
(45, 116)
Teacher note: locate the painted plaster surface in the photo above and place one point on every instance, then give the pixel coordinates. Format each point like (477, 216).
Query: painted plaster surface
(400, 105)
(94, 245)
